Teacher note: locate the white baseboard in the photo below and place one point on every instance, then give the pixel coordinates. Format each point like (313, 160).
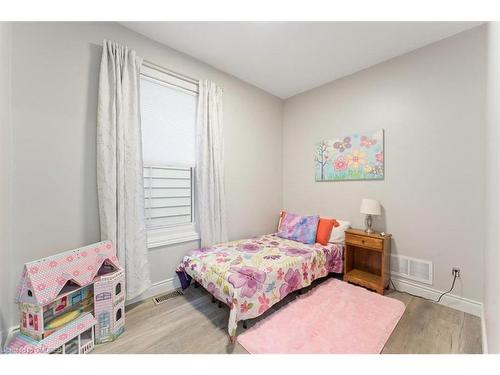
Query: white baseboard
(484, 337)
(450, 300)
(159, 287)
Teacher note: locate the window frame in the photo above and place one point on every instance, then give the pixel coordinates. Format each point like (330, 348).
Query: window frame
(175, 233)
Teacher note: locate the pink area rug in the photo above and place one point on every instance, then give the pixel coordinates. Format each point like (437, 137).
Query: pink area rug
(335, 317)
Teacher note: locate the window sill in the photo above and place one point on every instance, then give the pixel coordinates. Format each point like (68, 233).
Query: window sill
(171, 236)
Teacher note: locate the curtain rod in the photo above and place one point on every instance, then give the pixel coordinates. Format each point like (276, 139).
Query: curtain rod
(168, 71)
(165, 70)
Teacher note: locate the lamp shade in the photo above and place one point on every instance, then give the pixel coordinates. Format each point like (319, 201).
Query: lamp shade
(370, 207)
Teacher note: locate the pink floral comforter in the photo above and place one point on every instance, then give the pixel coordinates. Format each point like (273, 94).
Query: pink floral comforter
(252, 275)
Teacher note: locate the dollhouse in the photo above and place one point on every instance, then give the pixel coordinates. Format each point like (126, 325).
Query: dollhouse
(70, 301)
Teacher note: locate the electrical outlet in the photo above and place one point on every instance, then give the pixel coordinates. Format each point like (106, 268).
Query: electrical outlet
(455, 271)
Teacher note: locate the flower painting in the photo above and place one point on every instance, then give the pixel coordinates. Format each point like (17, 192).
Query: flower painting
(355, 157)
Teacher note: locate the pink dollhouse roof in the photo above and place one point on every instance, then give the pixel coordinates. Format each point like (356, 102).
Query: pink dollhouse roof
(46, 277)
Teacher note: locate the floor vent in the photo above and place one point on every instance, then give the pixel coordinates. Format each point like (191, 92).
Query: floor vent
(165, 297)
(411, 268)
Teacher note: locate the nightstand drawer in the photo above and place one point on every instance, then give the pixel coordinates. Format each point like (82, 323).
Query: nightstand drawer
(374, 243)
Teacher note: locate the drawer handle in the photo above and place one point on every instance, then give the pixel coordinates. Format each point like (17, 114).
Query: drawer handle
(363, 241)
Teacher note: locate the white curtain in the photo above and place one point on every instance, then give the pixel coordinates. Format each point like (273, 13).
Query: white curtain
(210, 197)
(119, 164)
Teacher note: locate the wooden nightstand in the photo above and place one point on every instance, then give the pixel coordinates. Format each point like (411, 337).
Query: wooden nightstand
(367, 259)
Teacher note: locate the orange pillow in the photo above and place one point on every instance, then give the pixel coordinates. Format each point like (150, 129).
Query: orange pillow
(282, 215)
(325, 227)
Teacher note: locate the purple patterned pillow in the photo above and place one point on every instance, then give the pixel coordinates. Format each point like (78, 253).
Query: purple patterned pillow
(299, 228)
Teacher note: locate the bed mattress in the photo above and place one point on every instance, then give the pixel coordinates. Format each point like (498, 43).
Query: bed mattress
(253, 274)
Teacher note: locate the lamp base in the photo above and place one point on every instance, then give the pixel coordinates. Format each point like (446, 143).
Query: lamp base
(368, 224)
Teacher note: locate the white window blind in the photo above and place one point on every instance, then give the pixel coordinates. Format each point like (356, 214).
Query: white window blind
(168, 121)
(168, 195)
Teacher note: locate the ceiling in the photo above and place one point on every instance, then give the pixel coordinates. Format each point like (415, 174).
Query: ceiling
(287, 58)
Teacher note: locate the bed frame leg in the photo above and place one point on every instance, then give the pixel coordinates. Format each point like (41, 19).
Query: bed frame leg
(196, 285)
(245, 324)
(213, 299)
(220, 304)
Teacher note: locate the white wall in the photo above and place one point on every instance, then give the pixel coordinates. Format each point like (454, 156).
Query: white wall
(431, 104)
(55, 75)
(492, 220)
(6, 293)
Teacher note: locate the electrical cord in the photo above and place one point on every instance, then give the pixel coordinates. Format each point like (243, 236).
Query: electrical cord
(455, 276)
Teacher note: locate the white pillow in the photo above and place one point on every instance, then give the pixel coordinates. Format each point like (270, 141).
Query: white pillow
(338, 233)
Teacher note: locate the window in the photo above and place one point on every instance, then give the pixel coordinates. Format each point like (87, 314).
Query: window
(76, 298)
(104, 324)
(118, 288)
(103, 296)
(168, 120)
(169, 196)
(118, 315)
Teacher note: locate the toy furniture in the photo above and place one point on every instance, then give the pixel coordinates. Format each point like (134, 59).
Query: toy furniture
(70, 301)
(367, 259)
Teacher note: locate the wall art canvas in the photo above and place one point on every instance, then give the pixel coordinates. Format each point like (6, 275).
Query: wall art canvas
(354, 157)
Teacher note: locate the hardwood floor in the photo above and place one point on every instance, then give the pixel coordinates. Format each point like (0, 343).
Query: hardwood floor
(427, 327)
(192, 324)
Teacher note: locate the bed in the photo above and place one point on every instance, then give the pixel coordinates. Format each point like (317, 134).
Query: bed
(253, 274)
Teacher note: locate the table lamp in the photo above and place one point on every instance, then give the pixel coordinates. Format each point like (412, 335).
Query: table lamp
(369, 207)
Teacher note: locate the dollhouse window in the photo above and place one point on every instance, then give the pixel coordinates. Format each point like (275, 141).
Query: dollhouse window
(118, 288)
(76, 298)
(104, 324)
(30, 293)
(103, 296)
(118, 314)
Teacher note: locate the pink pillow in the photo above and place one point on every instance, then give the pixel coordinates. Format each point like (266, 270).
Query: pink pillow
(298, 228)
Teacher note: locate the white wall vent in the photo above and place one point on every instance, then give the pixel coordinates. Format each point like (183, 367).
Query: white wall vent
(411, 268)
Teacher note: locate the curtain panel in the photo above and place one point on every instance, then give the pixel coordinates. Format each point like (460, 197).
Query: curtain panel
(119, 164)
(210, 197)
